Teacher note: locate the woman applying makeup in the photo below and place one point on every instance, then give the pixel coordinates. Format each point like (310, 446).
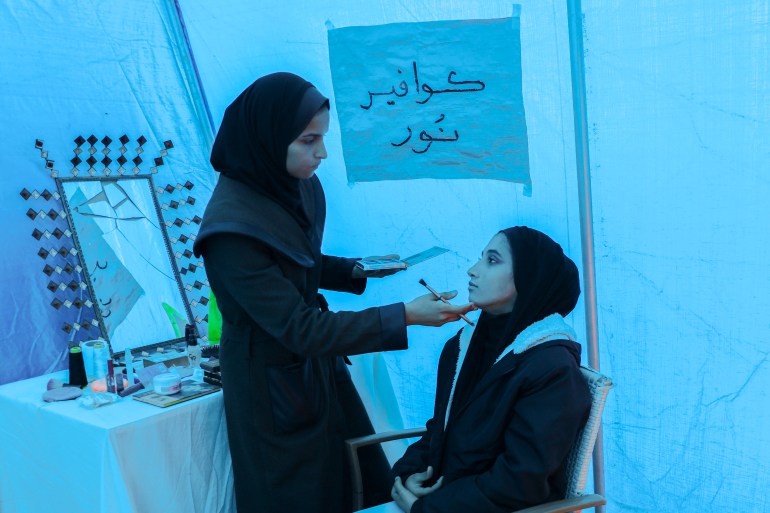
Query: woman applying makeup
(289, 400)
(510, 397)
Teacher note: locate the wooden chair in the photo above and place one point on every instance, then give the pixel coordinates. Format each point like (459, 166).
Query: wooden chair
(578, 461)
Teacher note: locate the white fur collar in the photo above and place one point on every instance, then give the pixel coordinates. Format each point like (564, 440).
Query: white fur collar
(552, 327)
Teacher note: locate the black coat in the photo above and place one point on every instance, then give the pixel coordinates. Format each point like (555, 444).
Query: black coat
(289, 401)
(505, 449)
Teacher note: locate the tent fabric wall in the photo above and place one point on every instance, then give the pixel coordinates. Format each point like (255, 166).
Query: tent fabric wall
(73, 69)
(680, 123)
(679, 128)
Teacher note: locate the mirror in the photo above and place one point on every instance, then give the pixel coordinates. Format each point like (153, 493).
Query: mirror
(130, 272)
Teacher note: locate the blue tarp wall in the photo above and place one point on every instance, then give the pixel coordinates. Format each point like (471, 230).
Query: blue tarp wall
(679, 125)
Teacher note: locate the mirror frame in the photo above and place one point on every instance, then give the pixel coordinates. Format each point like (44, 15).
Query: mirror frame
(86, 272)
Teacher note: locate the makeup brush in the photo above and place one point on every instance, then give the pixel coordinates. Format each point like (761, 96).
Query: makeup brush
(442, 298)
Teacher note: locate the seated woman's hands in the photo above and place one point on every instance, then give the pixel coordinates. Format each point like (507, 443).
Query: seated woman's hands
(416, 483)
(406, 495)
(401, 496)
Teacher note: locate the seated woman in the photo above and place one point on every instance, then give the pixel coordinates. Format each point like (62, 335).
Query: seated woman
(510, 397)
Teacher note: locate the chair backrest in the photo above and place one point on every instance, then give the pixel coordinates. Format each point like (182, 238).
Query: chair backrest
(579, 458)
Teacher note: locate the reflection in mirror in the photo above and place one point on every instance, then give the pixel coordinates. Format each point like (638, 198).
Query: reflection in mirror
(124, 249)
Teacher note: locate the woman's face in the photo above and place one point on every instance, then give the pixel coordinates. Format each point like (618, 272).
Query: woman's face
(306, 151)
(491, 286)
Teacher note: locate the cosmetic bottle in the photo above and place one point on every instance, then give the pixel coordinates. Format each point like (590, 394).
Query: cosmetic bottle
(77, 368)
(111, 388)
(129, 367)
(193, 348)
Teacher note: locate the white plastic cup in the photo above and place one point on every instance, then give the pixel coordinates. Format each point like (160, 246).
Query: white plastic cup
(87, 346)
(101, 355)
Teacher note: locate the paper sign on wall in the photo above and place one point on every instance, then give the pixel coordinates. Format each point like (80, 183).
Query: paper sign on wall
(431, 100)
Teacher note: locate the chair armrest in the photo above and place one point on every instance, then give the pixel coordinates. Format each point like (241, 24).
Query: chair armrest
(352, 446)
(387, 436)
(567, 505)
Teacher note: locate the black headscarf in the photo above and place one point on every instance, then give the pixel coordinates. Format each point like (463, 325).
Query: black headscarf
(547, 282)
(256, 131)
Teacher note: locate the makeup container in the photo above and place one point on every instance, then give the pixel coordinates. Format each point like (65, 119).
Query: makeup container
(167, 383)
(77, 368)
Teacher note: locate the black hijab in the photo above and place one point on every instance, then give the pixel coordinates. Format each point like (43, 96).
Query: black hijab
(547, 282)
(256, 131)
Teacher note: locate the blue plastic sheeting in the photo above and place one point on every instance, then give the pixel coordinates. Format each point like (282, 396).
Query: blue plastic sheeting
(438, 100)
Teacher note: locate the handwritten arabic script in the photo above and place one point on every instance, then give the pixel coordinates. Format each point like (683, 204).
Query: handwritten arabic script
(457, 86)
(430, 100)
(404, 88)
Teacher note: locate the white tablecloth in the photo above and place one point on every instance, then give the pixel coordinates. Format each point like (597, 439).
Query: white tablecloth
(123, 457)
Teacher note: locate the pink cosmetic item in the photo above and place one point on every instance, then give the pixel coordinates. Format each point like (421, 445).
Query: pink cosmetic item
(111, 376)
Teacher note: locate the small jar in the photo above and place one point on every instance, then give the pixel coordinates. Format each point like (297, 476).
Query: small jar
(167, 383)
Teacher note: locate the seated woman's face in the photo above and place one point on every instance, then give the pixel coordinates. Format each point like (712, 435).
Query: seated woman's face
(491, 286)
(306, 151)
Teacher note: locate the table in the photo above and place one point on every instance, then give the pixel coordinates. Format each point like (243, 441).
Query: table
(125, 457)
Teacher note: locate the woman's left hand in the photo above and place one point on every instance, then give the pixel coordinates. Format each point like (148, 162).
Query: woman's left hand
(416, 483)
(359, 273)
(403, 497)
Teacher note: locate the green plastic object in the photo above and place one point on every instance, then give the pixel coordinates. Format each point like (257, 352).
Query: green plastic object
(178, 320)
(215, 320)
